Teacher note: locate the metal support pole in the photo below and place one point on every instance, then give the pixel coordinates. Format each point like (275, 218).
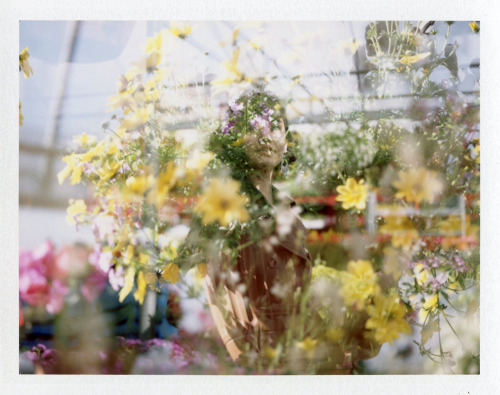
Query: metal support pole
(52, 129)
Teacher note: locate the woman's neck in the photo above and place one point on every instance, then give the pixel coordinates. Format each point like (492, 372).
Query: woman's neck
(263, 182)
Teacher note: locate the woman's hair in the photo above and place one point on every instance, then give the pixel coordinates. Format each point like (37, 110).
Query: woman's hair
(251, 110)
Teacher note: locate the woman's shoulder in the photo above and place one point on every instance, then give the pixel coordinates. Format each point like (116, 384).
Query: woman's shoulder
(283, 198)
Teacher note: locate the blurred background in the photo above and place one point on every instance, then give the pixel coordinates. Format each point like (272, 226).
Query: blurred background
(77, 65)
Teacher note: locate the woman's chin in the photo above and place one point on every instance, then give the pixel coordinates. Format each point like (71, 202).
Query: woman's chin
(266, 164)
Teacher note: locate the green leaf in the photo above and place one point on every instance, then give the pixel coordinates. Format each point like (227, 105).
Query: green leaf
(428, 330)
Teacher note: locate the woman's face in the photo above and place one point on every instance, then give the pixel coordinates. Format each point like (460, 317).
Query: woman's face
(265, 147)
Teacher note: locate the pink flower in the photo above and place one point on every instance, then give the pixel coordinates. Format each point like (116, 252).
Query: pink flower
(236, 107)
(21, 318)
(103, 227)
(43, 255)
(47, 358)
(33, 285)
(101, 260)
(39, 273)
(116, 277)
(58, 291)
(94, 284)
(69, 260)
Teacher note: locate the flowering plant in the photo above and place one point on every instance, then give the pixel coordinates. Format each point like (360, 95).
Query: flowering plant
(415, 260)
(46, 275)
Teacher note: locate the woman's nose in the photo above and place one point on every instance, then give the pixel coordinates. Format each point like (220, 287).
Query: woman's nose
(265, 132)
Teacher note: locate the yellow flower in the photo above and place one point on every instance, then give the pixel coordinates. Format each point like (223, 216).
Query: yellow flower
(474, 26)
(98, 150)
(231, 65)
(129, 254)
(108, 170)
(270, 353)
(136, 186)
(202, 270)
(308, 345)
(421, 274)
(147, 64)
(232, 72)
(137, 119)
(349, 47)
(195, 166)
(112, 149)
(162, 186)
(238, 142)
(477, 148)
(416, 185)
(124, 98)
(334, 334)
(143, 258)
(359, 283)
(141, 288)
(222, 203)
(71, 161)
(411, 59)
(255, 45)
(353, 194)
(154, 43)
(76, 176)
(151, 92)
(128, 284)
(150, 278)
(430, 304)
(170, 273)
(76, 209)
(84, 139)
(180, 30)
(452, 226)
(20, 115)
(402, 231)
(322, 271)
(387, 318)
(24, 64)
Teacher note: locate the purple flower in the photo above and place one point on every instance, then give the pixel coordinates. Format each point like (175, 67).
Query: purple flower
(261, 123)
(227, 126)
(438, 281)
(459, 264)
(155, 343)
(40, 354)
(236, 107)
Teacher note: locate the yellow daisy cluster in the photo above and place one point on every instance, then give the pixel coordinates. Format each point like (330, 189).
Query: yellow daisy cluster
(137, 172)
(418, 185)
(359, 283)
(387, 318)
(360, 290)
(353, 194)
(222, 203)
